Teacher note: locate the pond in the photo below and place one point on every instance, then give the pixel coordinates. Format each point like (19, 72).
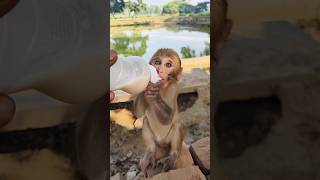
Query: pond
(144, 41)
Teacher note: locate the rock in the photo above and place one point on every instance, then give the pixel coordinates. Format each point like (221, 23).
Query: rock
(185, 158)
(187, 173)
(131, 175)
(133, 168)
(200, 151)
(116, 177)
(124, 158)
(140, 176)
(129, 154)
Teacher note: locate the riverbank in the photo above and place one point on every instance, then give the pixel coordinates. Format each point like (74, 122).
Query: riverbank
(202, 62)
(144, 21)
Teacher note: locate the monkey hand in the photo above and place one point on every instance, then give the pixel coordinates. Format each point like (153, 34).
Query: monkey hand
(113, 56)
(147, 162)
(152, 92)
(167, 163)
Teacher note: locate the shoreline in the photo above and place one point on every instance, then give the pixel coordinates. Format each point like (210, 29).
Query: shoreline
(146, 21)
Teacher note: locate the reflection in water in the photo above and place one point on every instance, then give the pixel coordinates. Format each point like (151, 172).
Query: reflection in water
(144, 41)
(126, 44)
(187, 52)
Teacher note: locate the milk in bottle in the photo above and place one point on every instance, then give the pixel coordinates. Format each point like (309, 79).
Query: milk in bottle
(132, 74)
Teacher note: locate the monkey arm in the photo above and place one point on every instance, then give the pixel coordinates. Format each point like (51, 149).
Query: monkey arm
(139, 106)
(162, 107)
(177, 139)
(163, 112)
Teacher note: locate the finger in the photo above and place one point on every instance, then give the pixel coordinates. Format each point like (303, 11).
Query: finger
(112, 96)
(151, 96)
(153, 93)
(150, 83)
(7, 109)
(113, 56)
(154, 88)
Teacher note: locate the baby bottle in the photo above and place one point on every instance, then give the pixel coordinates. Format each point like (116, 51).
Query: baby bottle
(132, 74)
(55, 47)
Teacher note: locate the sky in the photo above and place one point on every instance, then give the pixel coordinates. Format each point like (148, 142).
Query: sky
(159, 2)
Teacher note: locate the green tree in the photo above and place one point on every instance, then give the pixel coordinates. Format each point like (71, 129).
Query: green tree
(187, 52)
(134, 44)
(185, 8)
(135, 6)
(206, 51)
(173, 7)
(201, 7)
(116, 6)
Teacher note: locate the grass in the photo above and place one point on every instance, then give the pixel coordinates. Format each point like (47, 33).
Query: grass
(147, 19)
(138, 21)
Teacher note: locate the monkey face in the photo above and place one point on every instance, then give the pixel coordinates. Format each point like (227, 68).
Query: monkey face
(165, 67)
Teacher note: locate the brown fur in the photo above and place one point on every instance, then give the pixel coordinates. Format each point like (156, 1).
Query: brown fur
(163, 140)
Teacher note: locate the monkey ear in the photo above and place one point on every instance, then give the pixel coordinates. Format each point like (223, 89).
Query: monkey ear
(179, 73)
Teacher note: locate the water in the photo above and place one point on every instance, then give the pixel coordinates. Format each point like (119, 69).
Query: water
(144, 41)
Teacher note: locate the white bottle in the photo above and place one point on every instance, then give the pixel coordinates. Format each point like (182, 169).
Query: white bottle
(56, 47)
(132, 75)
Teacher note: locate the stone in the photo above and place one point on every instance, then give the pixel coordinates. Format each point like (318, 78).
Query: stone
(185, 158)
(131, 175)
(116, 177)
(129, 154)
(200, 151)
(187, 173)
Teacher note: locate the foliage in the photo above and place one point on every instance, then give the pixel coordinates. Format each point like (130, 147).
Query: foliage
(127, 8)
(116, 6)
(134, 44)
(206, 51)
(172, 7)
(187, 52)
(185, 8)
(201, 7)
(135, 6)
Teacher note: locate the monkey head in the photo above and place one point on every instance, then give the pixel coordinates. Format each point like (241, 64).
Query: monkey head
(168, 65)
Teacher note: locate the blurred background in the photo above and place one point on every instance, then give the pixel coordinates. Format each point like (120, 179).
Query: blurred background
(139, 28)
(267, 121)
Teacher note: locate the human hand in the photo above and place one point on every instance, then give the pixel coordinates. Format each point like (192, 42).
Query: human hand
(112, 96)
(113, 56)
(7, 109)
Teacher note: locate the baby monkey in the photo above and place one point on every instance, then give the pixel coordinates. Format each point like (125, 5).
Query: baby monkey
(162, 129)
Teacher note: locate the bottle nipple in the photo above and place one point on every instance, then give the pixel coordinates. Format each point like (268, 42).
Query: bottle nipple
(154, 77)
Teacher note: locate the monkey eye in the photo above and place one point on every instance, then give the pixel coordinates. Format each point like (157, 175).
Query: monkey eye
(157, 62)
(168, 65)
